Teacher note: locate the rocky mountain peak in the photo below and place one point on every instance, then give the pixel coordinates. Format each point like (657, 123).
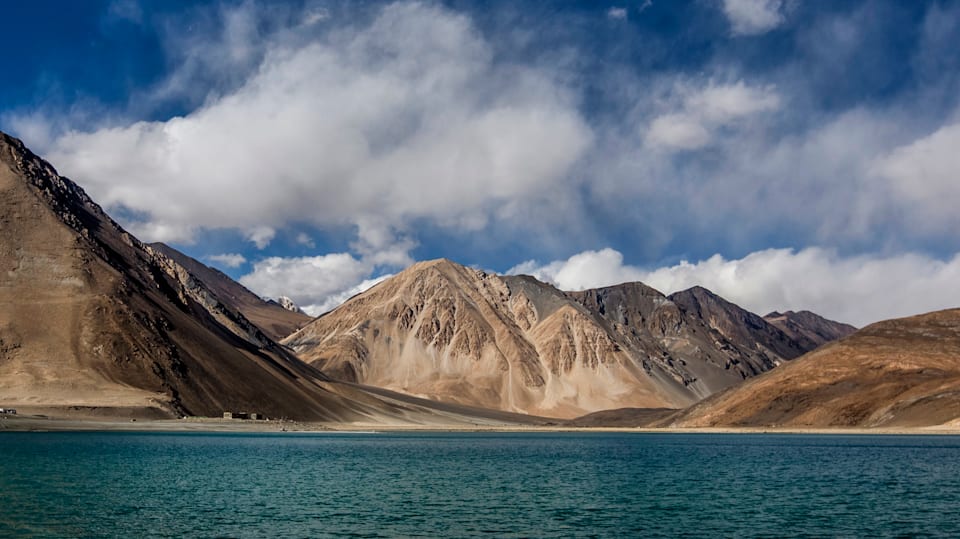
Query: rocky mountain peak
(289, 304)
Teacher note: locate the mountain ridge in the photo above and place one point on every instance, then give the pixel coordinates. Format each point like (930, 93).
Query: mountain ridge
(899, 372)
(452, 333)
(270, 316)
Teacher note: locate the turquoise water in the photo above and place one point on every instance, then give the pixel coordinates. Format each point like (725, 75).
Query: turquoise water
(498, 485)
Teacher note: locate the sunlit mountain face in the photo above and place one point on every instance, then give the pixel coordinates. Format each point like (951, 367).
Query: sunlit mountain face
(785, 155)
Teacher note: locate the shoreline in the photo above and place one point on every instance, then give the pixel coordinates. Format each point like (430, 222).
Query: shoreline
(240, 426)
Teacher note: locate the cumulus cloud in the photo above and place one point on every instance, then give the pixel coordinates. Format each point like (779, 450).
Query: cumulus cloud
(925, 174)
(315, 283)
(230, 260)
(405, 118)
(751, 17)
(855, 289)
(704, 110)
(589, 269)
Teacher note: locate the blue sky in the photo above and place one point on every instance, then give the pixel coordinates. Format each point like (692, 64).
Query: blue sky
(786, 154)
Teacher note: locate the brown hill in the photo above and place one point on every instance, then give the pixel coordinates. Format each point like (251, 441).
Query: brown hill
(274, 319)
(92, 319)
(809, 329)
(903, 372)
(451, 333)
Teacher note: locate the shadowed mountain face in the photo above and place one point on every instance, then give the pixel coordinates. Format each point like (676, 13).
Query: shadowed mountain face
(272, 317)
(903, 372)
(809, 329)
(92, 318)
(452, 333)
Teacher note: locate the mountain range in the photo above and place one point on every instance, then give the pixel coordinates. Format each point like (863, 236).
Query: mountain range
(92, 320)
(451, 333)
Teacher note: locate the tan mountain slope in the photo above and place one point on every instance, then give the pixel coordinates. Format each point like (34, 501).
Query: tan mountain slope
(274, 319)
(451, 333)
(91, 318)
(903, 372)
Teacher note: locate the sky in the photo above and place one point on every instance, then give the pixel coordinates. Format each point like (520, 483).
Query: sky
(784, 154)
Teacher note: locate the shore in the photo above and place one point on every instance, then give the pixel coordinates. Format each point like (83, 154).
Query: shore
(26, 423)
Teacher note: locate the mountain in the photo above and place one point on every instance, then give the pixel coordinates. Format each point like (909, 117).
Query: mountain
(903, 372)
(715, 342)
(274, 318)
(93, 320)
(289, 305)
(451, 333)
(809, 329)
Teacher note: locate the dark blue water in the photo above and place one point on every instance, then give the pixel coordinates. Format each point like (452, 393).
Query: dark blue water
(500, 485)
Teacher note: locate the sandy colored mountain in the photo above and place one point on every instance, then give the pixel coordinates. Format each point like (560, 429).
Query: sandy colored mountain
(94, 322)
(896, 373)
(276, 320)
(455, 334)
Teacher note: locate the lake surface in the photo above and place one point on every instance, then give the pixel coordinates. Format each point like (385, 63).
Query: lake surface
(477, 484)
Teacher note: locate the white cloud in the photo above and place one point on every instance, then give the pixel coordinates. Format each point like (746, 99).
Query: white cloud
(678, 131)
(406, 118)
(230, 260)
(925, 175)
(751, 17)
(857, 289)
(261, 236)
(617, 13)
(315, 283)
(589, 269)
(125, 10)
(304, 239)
(689, 126)
(315, 15)
(726, 102)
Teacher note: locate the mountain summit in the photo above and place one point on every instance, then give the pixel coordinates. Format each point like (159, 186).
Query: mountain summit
(452, 333)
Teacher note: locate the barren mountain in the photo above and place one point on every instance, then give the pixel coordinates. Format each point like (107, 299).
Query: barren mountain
(451, 333)
(716, 342)
(809, 329)
(92, 319)
(903, 372)
(274, 318)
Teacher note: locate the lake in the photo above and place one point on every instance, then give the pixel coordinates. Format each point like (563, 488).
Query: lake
(477, 484)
